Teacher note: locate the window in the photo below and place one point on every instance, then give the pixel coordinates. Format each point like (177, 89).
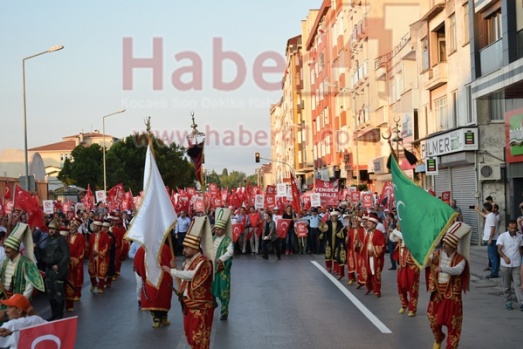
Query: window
(493, 27)
(466, 24)
(440, 113)
(495, 106)
(452, 33)
(469, 105)
(441, 48)
(425, 54)
(455, 119)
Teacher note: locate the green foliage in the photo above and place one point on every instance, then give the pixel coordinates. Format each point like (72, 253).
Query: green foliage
(125, 162)
(212, 177)
(85, 168)
(233, 180)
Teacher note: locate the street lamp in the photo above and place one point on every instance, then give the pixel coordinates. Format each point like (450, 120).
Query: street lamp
(103, 122)
(52, 49)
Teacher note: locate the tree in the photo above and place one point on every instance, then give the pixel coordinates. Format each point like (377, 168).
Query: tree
(85, 167)
(126, 161)
(212, 177)
(233, 180)
(225, 173)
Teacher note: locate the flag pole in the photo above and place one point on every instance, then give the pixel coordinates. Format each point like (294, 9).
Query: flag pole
(194, 141)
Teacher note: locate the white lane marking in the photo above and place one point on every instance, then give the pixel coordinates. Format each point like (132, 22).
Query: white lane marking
(372, 318)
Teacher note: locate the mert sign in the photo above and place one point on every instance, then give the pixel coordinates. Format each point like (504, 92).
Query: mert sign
(464, 139)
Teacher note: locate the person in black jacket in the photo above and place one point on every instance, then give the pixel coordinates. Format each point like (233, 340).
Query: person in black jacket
(56, 258)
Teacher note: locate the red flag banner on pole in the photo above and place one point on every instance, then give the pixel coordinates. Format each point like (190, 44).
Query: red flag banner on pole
(282, 227)
(195, 152)
(7, 191)
(35, 215)
(88, 199)
(55, 334)
(295, 195)
(237, 229)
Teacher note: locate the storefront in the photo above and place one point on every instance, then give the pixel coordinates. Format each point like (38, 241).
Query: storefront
(455, 173)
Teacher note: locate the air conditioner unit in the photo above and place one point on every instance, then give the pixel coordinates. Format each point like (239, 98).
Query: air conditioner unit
(490, 172)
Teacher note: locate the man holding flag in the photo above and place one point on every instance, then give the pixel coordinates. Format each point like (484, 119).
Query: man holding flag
(150, 227)
(447, 274)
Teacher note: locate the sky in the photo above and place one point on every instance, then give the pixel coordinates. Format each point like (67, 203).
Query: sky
(220, 60)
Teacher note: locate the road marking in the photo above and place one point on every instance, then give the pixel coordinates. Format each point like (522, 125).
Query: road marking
(372, 318)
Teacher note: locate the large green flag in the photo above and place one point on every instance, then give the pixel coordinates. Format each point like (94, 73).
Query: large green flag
(423, 218)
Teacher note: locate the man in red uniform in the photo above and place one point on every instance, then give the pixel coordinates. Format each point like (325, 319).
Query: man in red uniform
(355, 238)
(196, 281)
(407, 276)
(156, 300)
(98, 256)
(75, 277)
(373, 255)
(447, 276)
(118, 231)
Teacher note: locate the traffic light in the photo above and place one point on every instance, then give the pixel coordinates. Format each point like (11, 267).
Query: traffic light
(257, 157)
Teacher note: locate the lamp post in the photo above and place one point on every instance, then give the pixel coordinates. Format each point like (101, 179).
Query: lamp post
(103, 130)
(52, 49)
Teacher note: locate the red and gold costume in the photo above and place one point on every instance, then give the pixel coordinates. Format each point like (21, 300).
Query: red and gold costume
(198, 300)
(355, 239)
(373, 256)
(157, 301)
(99, 264)
(445, 305)
(119, 231)
(75, 276)
(335, 248)
(407, 278)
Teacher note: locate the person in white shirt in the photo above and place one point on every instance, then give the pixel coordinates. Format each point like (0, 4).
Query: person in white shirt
(490, 236)
(510, 248)
(21, 315)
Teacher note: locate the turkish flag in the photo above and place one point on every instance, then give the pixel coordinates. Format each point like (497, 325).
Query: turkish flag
(7, 192)
(88, 199)
(213, 188)
(296, 205)
(301, 229)
(8, 206)
(35, 215)
(270, 201)
(282, 227)
(56, 334)
(271, 190)
(237, 229)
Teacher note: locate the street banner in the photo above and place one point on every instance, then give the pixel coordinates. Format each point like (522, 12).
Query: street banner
(306, 199)
(315, 200)
(100, 196)
(271, 190)
(387, 196)
(445, 197)
(354, 196)
(424, 219)
(281, 189)
(198, 206)
(282, 227)
(48, 206)
(328, 192)
(301, 229)
(259, 200)
(213, 188)
(270, 201)
(55, 334)
(366, 200)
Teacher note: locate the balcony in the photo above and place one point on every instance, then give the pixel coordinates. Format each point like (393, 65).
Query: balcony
(436, 76)
(381, 116)
(359, 31)
(491, 58)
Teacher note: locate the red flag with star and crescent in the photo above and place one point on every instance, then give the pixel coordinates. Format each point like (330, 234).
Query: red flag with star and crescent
(35, 215)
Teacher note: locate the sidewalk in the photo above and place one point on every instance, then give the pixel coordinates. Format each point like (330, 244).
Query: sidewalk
(479, 261)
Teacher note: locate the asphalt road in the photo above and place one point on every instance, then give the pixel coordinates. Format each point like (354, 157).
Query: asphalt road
(293, 303)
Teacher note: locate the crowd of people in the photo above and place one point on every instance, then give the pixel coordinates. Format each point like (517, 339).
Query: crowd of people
(353, 241)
